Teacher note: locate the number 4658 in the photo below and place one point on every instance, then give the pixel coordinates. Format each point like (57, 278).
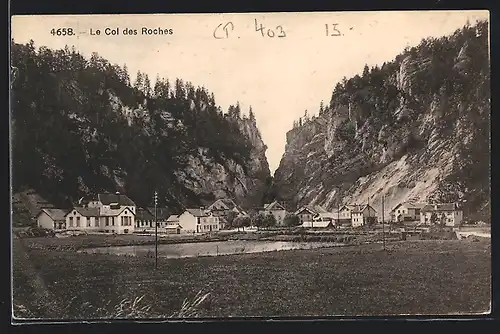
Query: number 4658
(62, 32)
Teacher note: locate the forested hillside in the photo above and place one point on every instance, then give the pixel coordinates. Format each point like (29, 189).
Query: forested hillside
(79, 126)
(415, 128)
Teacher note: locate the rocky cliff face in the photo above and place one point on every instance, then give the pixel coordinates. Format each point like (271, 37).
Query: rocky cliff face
(415, 129)
(80, 127)
(210, 180)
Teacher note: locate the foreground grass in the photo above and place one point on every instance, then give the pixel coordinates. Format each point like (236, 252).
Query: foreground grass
(421, 277)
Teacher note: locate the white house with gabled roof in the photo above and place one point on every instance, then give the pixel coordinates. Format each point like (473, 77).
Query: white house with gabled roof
(406, 211)
(276, 209)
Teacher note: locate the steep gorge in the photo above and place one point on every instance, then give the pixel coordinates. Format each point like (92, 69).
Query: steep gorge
(416, 128)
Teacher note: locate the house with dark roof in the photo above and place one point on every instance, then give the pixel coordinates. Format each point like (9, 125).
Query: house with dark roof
(444, 214)
(145, 218)
(223, 208)
(276, 209)
(308, 213)
(198, 221)
(406, 211)
(51, 218)
(108, 201)
(109, 220)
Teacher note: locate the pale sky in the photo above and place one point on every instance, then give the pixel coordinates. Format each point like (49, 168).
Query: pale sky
(278, 77)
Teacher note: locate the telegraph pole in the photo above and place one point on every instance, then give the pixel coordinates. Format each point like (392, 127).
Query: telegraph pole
(369, 212)
(383, 225)
(338, 214)
(156, 230)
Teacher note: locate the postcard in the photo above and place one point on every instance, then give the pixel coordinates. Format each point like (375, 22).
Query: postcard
(250, 165)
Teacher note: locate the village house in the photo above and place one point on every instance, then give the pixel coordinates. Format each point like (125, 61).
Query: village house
(276, 209)
(344, 215)
(363, 215)
(82, 218)
(173, 225)
(197, 221)
(119, 221)
(306, 213)
(224, 208)
(51, 218)
(316, 213)
(326, 217)
(406, 211)
(110, 213)
(112, 201)
(446, 214)
(144, 219)
(162, 215)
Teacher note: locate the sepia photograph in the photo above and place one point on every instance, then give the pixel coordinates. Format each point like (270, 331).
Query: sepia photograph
(243, 165)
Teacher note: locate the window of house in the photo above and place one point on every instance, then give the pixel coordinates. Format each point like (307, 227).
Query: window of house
(77, 221)
(88, 222)
(107, 221)
(112, 221)
(96, 221)
(70, 221)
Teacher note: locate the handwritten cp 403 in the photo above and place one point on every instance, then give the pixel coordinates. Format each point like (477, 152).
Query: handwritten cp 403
(226, 29)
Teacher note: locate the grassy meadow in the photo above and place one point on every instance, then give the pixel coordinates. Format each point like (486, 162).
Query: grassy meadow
(411, 277)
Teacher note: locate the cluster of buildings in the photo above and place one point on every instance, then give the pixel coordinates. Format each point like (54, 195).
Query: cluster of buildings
(446, 214)
(117, 213)
(348, 215)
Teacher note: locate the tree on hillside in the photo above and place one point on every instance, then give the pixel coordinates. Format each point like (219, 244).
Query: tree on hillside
(147, 86)
(251, 115)
(125, 76)
(366, 71)
(138, 83)
(321, 108)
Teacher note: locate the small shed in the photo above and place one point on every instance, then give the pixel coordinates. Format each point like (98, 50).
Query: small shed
(51, 218)
(318, 224)
(173, 229)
